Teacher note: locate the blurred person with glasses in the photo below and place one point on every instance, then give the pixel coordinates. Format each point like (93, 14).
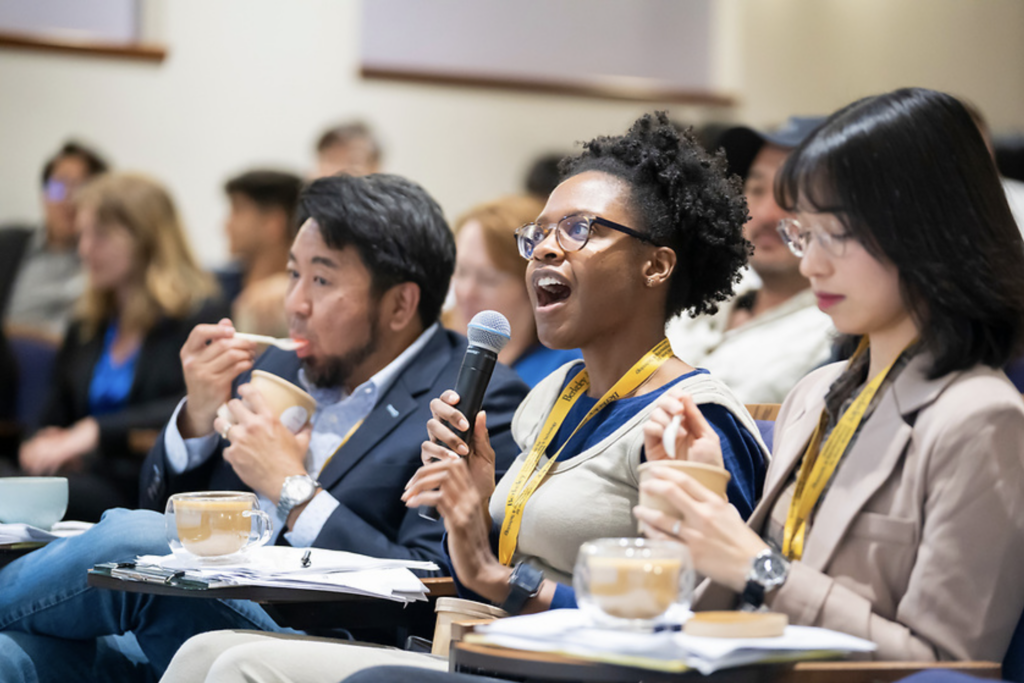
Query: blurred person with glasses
(771, 333)
(490, 274)
(50, 277)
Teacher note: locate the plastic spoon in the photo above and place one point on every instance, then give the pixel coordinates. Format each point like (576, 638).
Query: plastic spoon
(668, 437)
(284, 344)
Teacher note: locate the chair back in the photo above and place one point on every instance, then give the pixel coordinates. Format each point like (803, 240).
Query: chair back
(34, 355)
(14, 241)
(764, 415)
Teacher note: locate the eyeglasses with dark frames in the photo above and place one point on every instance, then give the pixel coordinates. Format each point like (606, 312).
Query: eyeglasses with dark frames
(572, 233)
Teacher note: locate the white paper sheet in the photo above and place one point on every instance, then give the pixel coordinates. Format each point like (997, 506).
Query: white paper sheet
(570, 632)
(328, 570)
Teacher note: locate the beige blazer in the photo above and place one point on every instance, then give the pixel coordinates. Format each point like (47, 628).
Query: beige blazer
(918, 544)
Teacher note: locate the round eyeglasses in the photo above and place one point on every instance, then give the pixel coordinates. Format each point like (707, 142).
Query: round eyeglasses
(571, 233)
(798, 238)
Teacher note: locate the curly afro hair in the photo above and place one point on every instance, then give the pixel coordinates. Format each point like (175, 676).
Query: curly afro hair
(686, 201)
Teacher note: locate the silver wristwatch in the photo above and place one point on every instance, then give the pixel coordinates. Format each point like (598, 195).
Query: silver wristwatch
(295, 491)
(768, 571)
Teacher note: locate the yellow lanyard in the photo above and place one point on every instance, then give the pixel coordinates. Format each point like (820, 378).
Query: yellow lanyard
(817, 468)
(524, 486)
(341, 445)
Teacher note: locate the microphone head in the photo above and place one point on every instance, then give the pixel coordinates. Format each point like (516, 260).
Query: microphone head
(489, 330)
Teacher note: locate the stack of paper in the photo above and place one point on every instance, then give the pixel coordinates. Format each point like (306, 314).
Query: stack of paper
(23, 533)
(327, 570)
(569, 632)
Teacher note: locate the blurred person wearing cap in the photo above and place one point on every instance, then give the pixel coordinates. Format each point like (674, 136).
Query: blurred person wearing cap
(50, 277)
(761, 342)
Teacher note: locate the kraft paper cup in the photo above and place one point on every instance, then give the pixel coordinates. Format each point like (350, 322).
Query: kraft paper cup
(715, 479)
(37, 501)
(293, 406)
(456, 609)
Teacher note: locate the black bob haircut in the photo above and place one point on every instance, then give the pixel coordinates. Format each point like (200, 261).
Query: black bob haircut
(269, 189)
(685, 201)
(94, 163)
(909, 175)
(397, 228)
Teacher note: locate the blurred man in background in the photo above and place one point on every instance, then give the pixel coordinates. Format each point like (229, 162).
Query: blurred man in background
(771, 333)
(260, 228)
(347, 148)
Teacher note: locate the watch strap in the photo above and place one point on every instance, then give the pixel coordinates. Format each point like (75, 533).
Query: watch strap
(753, 595)
(523, 584)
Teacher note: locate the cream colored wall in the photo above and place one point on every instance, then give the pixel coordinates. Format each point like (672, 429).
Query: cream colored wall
(813, 56)
(252, 82)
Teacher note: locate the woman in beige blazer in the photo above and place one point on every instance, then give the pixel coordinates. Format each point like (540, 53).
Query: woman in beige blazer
(915, 539)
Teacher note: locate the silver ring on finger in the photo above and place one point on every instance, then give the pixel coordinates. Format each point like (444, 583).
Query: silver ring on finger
(226, 434)
(676, 528)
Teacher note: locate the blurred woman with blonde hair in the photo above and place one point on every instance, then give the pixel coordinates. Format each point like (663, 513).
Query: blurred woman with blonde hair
(118, 368)
(490, 274)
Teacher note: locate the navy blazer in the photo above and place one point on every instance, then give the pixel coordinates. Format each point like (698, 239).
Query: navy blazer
(369, 474)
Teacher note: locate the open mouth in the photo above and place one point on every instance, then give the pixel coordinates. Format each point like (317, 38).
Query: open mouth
(303, 347)
(551, 290)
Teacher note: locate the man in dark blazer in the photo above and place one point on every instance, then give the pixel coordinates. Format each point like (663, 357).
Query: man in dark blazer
(369, 270)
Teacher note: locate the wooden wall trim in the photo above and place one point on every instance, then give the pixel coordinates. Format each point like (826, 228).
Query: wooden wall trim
(137, 51)
(605, 89)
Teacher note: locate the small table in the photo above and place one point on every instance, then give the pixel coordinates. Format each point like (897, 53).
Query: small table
(538, 667)
(12, 551)
(309, 610)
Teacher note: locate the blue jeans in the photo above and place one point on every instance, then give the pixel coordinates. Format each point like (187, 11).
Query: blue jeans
(53, 625)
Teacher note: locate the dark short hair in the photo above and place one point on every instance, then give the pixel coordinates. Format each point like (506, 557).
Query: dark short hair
(543, 175)
(94, 163)
(397, 228)
(347, 132)
(910, 177)
(269, 190)
(685, 200)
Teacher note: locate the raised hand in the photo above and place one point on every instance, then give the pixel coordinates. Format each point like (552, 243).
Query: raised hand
(445, 443)
(211, 359)
(695, 439)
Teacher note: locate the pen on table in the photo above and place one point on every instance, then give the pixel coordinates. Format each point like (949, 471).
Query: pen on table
(305, 558)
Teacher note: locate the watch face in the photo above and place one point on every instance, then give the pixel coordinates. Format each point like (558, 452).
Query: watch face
(298, 489)
(771, 569)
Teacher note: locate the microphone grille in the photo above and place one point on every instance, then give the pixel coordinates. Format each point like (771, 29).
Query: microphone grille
(489, 330)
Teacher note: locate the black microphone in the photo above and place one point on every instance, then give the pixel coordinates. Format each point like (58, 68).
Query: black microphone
(488, 333)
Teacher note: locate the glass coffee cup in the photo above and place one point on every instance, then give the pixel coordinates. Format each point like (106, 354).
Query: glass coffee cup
(215, 525)
(632, 582)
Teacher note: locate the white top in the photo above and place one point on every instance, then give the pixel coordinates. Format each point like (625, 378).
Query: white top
(1015, 197)
(592, 494)
(765, 357)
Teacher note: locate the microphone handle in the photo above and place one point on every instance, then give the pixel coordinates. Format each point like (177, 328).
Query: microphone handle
(471, 385)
